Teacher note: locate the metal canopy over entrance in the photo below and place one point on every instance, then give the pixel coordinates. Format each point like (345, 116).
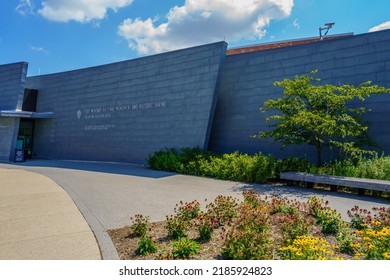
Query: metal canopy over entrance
(25, 114)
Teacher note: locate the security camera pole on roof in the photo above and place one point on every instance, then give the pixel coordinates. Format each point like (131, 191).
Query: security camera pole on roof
(328, 26)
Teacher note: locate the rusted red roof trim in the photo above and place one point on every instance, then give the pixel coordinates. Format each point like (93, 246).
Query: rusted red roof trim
(282, 44)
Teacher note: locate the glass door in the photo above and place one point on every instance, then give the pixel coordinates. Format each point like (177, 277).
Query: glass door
(25, 137)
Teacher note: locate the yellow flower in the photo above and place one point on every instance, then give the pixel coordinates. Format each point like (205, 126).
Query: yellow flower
(387, 255)
(358, 255)
(356, 245)
(365, 238)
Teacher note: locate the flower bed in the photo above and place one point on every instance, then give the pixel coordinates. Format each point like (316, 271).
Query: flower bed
(258, 228)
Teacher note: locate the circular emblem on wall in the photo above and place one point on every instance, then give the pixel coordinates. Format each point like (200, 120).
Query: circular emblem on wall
(78, 114)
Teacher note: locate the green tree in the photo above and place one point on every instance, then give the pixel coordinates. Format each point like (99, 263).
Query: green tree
(321, 115)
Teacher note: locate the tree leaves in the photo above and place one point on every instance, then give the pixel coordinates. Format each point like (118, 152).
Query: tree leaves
(320, 115)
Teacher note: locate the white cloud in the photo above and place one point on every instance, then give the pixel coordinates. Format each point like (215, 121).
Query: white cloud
(203, 21)
(25, 7)
(382, 26)
(79, 10)
(39, 49)
(296, 24)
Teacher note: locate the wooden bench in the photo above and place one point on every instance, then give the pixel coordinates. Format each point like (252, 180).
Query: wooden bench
(334, 181)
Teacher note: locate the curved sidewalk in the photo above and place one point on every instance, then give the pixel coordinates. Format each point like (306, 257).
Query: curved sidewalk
(38, 220)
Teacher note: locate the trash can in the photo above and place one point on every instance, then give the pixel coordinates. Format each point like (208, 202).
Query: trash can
(19, 155)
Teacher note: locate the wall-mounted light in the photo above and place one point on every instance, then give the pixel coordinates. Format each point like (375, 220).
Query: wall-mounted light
(326, 29)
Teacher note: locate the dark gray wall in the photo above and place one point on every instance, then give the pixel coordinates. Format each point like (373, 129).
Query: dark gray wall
(12, 79)
(125, 111)
(247, 81)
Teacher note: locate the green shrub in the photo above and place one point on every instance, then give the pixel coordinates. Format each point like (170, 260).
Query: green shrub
(167, 160)
(283, 205)
(329, 220)
(294, 225)
(177, 227)
(375, 168)
(206, 223)
(183, 248)
(146, 246)
(188, 210)
(248, 238)
(293, 164)
(205, 230)
(347, 240)
(224, 209)
(234, 166)
(370, 168)
(140, 225)
(252, 198)
(263, 168)
(260, 168)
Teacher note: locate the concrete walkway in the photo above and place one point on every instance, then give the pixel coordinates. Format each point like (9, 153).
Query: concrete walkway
(109, 194)
(38, 220)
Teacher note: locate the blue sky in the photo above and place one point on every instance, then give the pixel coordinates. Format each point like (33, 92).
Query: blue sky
(61, 35)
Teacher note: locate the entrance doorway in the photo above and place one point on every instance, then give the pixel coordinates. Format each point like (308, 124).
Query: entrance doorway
(25, 137)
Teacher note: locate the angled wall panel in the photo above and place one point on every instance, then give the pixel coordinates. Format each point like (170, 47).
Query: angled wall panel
(12, 80)
(127, 110)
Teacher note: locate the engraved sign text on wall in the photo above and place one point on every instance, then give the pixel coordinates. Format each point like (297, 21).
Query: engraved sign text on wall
(104, 113)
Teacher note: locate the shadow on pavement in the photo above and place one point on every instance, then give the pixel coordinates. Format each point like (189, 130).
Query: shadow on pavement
(102, 167)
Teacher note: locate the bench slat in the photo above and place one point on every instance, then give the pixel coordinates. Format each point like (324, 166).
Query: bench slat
(361, 183)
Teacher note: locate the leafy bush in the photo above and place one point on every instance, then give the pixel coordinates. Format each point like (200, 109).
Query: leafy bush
(140, 225)
(329, 220)
(260, 168)
(167, 160)
(224, 208)
(294, 225)
(146, 246)
(348, 241)
(249, 238)
(293, 164)
(183, 248)
(360, 218)
(188, 210)
(206, 223)
(283, 205)
(235, 166)
(177, 227)
(376, 168)
(252, 198)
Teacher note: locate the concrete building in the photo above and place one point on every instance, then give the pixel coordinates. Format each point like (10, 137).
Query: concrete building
(203, 96)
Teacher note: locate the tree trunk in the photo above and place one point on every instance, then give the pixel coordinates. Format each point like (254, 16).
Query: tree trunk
(319, 154)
